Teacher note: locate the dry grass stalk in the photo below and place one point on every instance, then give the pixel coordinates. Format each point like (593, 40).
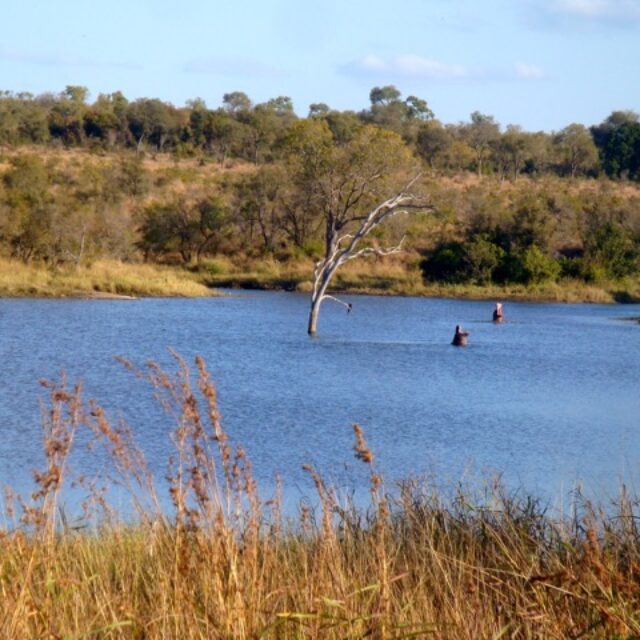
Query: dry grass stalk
(219, 564)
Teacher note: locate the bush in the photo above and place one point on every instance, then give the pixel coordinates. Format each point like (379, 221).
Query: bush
(445, 264)
(217, 267)
(610, 251)
(538, 267)
(313, 248)
(482, 257)
(571, 267)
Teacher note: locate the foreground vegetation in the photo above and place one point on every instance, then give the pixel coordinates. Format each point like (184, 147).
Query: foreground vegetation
(219, 561)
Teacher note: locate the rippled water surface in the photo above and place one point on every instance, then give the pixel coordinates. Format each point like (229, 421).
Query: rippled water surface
(550, 396)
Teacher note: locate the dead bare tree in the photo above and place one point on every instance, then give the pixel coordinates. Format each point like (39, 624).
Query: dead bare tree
(344, 187)
(343, 246)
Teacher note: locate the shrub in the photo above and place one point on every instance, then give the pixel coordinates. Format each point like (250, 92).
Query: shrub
(538, 267)
(610, 251)
(445, 264)
(482, 257)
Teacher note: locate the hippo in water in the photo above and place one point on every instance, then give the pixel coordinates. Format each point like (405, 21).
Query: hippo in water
(497, 313)
(460, 337)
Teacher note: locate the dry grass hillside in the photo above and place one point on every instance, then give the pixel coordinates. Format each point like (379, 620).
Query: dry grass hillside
(108, 193)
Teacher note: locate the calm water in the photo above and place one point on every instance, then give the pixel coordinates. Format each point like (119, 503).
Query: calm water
(547, 398)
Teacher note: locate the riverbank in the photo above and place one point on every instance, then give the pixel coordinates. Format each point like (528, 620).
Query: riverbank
(101, 279)
(401, 279)
(223, 562)
(114, 279)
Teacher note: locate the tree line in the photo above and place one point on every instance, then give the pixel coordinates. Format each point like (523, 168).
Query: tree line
(538, 235)
(254, 133)
(288, 191)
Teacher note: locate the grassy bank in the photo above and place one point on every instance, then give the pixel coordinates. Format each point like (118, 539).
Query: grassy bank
(563, 291)
(224, 564)
(401, 277)
(106, 278)
(103, 278)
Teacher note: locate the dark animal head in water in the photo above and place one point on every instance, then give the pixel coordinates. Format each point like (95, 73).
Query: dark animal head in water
(460, 337)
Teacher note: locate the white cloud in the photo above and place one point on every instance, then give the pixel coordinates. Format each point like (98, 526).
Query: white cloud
(528, 71)
(414, 66)
(409, 65)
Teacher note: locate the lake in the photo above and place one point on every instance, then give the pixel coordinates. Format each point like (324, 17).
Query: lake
(546, 399)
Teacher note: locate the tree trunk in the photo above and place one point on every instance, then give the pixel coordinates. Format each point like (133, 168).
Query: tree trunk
(313, 318)
(81, 252)
(320, 284)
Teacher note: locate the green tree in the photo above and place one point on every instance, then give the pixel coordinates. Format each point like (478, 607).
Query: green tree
(418, 109)
(28, 208)
(106, 119)
(618, 141)
(480, 134)
(66, 117)
(263, 205)
(433, 142)
(152, 121)
(532, 224)
(282, 105)
(610, 251)
(344, 125)
(224, 135)
(539, 154)
(188, 227)
(575, 150)
(389, 111)
(197, 121)
(538, 267)
(236, 102)
(481, 259)
(318, 109)
(447, 263)
(622, 153)
(384, 95)
(267, 126)
(9, 118)
(510, 151)
(602, 132)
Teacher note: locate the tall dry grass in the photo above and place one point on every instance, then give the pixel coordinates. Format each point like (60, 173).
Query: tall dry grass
(98, 279)
(224, 563)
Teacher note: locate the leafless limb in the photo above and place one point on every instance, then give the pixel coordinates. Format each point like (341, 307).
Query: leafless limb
(343, 247)
(348, 305)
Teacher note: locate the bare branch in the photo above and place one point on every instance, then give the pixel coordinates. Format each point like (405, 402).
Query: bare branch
(344, 238)
(375, 251)
(348, 305)
(341, 248)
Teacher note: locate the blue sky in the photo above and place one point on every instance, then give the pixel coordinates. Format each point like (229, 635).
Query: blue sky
(540, 64)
